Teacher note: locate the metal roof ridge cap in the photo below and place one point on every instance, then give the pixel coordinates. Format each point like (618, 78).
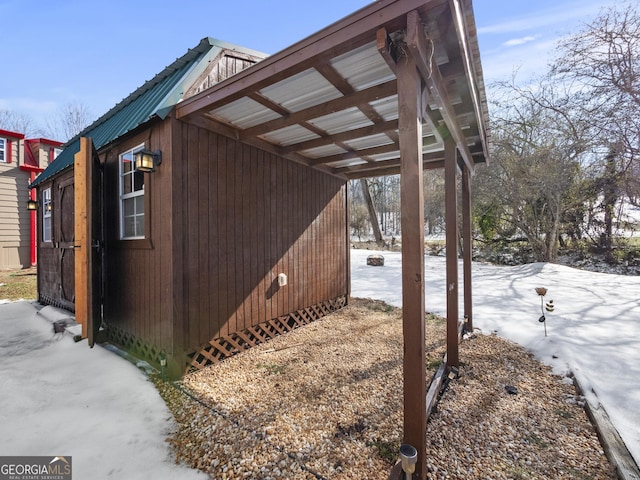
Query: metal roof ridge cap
(165, 105)
(216, 42)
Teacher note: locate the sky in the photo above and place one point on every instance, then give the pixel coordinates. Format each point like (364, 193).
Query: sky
(64, 398)
(98, 52)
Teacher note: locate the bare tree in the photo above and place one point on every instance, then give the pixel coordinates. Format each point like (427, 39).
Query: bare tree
(434, 205)
(69, 121)
(602, 62)
(18, 122)
(536, 172)
(377, 234)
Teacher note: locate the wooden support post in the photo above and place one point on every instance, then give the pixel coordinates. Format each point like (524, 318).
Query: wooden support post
(451, 216)
(412, 220)
(467, 247)
(82, 233)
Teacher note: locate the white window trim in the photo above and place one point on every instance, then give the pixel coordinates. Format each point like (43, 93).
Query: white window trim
(46, 215)
(3, 148)
(123, 196)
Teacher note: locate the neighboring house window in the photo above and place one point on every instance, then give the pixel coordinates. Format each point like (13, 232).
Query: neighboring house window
(46, 215)
(131, 197)
(3, 150)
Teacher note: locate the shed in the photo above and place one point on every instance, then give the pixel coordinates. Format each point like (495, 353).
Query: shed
(252, 187)
(189, 261)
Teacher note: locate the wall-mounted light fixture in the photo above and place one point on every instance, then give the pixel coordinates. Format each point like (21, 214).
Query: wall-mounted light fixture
(147, 161)
(32, 204)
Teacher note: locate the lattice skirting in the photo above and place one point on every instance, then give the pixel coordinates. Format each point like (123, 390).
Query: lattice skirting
(47, 300)
(132, 344)
(220, 348)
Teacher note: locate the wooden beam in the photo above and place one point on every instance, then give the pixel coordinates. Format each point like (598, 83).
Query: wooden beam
(82, 233)
(471, 76)
(391, 125)
(412, 221)
(387, 49)
(430, 117)
(467, 248)
(365, 152)
(451, 227)
(614, 447)
(389, 167)
(370, 94)
(420, 49)
(280, 110)
(392, 170)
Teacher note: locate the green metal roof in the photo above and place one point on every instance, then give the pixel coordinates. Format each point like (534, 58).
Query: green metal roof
(153, 99)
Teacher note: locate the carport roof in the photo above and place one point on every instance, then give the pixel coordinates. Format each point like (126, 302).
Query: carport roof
(330, 101)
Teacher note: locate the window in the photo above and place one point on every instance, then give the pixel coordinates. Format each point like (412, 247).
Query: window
(52, 154)
(3, 150)
(46, 215)
(131, 197)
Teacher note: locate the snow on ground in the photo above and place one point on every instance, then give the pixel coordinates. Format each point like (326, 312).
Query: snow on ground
(593, 332)
(59, 397)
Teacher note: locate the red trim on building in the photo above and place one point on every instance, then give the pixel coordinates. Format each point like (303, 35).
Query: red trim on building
(34, 232)
(10, 134)
(49, 142)
(31, 168)
(8, 152)
(29, 158)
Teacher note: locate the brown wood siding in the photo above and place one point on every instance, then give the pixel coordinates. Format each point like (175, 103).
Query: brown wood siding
(244, 217)
(225, 66)
(139, 273)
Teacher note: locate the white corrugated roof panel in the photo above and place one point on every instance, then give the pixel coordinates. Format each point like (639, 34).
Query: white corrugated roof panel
(324, 151)
(387, 108)
(348, 119)
(363, 67)
(289, 135)
(386, 156)
(369, 142)
(352, 162)
(244, 113)
(310, 89)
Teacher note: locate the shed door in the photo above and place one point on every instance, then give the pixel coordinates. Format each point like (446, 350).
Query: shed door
(65, 243)
(89, 243)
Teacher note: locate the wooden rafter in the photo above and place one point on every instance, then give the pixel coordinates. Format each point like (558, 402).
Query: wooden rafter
(391, 125)
(341, 37)
(370, 94)
(418, 45)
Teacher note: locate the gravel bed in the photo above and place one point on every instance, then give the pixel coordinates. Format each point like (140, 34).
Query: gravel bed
(325, 402)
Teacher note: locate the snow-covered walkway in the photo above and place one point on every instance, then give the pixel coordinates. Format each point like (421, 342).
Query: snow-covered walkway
(62, 398)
